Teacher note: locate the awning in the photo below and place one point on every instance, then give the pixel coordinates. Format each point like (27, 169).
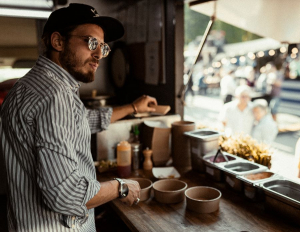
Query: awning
(276, 19)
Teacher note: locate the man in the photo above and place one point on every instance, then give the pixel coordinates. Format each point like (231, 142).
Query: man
(265, 128)
(45, 129)
(228, 84)
(237, 116)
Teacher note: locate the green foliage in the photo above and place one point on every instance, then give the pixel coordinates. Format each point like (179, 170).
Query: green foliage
(195, 25)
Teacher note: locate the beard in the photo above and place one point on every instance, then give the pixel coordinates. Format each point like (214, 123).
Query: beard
(73, 63)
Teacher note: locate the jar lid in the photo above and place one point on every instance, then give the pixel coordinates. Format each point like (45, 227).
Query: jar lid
(123, 145)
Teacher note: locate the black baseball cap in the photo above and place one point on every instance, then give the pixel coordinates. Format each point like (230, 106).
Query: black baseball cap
(77, 14)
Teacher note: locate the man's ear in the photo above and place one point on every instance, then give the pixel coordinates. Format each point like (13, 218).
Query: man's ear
(57, 41)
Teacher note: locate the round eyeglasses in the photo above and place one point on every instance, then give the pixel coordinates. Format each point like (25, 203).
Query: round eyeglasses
(93, 44)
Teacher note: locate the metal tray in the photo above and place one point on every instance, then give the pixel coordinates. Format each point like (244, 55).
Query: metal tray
(252, 189)
(283, 196)
(202, 142)
(212, 168)
(237, 168)
(284, 190)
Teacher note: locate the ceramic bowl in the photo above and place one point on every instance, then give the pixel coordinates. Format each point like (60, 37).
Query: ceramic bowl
(202, 199)
(169, 191)
(146, 186)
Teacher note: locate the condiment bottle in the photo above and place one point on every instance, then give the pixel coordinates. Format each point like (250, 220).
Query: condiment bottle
(147, 165)
(124, 159)
(135, 150)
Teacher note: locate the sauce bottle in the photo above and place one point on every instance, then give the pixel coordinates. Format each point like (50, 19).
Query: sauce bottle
(124, 159)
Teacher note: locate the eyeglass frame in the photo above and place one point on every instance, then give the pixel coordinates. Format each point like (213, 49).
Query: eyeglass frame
(89, 42)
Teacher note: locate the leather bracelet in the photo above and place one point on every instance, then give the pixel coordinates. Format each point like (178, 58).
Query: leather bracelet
(134, 108)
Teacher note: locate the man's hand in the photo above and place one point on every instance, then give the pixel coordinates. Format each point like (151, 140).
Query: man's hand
(134, 192)
(143, 104)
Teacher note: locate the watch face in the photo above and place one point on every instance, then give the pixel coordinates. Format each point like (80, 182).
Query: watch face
(124, 191)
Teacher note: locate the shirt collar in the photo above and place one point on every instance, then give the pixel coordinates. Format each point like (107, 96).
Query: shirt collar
(59, 72)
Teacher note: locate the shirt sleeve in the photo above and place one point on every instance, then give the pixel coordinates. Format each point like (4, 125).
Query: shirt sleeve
(99, 119)
(65, 188)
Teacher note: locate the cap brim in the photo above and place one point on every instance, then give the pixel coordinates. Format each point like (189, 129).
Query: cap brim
(113, 29)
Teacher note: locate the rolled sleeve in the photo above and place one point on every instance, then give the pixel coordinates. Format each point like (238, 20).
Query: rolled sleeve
(99, 119)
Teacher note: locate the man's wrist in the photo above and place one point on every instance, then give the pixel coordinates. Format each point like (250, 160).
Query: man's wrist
(134, 108)
(122, 189)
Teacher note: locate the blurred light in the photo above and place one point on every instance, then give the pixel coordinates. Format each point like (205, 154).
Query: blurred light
(295, 50)
(283, 49)
(210, 70)
(205, 71)
(251, 55)
(260, 54)
(263, 69)
(293, 56)
(218, 64)
(224, 61)
(40, 14)
(233, 60)
(272, 52)
(242, 59)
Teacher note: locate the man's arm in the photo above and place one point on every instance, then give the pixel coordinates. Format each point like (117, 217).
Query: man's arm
(109, 190)
(141, 105)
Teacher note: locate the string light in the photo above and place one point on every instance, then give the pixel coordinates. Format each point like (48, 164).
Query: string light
(295, 50)
(260, 54)
(242, 59)
(272, 52)
(233, 60)
(224, 61)
(283, 49)
(251, 55)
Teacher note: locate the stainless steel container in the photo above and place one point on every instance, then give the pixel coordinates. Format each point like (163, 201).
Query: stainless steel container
(211, 167)
(283, 196)
(238, 168)
(252, 182)
(202, 142)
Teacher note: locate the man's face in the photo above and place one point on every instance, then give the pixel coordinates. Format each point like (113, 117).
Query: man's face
(258, 113)
(77, 58)
(244, 98)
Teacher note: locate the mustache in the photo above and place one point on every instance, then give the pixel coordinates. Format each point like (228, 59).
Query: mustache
(95, 61)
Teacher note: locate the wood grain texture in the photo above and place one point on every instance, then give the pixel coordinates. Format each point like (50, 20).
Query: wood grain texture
(235, 213)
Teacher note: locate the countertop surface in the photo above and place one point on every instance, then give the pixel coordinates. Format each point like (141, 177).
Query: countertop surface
(236, 213)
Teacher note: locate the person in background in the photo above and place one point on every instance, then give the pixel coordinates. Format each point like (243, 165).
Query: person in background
(237, 116)
(228, 84)
(265, 128)
(46, 131)
(275, 79)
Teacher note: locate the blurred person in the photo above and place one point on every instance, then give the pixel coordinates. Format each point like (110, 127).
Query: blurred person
(228, 84)
(265, 128)
(237, 116)
(297, 156)
(275, 79)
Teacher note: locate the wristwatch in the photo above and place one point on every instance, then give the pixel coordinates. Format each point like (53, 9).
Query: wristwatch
(123, 188)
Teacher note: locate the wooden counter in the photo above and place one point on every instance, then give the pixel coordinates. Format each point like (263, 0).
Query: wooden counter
(236, 213)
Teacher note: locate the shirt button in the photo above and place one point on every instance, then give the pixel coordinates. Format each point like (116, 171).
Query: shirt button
(73, 226)
(73, 218)
(87, 215)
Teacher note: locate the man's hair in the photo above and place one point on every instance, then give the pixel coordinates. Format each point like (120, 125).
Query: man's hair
(243, 89)
(46, 39)
(261, 103)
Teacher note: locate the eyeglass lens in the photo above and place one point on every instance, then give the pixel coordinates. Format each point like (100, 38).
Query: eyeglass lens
(93, 44)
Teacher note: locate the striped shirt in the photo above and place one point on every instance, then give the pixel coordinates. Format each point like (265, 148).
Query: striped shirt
(45, 140)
